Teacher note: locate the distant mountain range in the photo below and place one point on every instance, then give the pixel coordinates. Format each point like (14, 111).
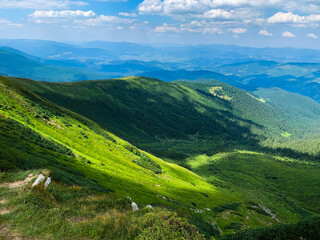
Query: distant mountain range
(297, 77)
(17, 63)
(210, 142)
(247, 68)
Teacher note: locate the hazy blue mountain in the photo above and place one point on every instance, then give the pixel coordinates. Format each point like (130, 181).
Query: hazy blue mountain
(243, 69)
(296, 77)
(193, 57)
(16, 63)
(54, 50)
(169, 76)
(127, 66)
(120, 48)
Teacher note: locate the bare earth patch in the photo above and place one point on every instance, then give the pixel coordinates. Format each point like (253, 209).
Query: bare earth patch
(4, 211)
(18, 183)
(77, 220)
(9, 235)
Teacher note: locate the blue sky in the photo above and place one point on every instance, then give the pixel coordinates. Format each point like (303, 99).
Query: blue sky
(259, 23)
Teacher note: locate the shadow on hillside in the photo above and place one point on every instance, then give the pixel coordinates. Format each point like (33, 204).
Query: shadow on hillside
(161, 118)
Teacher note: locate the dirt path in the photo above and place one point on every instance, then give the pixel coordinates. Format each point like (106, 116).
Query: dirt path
(18, 183)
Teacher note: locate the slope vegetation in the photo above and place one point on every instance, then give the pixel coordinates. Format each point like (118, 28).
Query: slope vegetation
(176, 119)
(85, 161)
(38, 134)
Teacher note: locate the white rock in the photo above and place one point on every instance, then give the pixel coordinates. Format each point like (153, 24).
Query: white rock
(149, 206)
(47, 183)
(39, 180)
(134, 207)
(163, 197)
(198, 211)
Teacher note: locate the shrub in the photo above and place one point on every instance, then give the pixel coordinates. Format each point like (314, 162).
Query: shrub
(166, 225)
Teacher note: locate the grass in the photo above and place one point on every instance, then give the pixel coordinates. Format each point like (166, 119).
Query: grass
(220, 193)
(63, 212)
(36, 134)
(198, 121)
(106, 162)
(289, 188)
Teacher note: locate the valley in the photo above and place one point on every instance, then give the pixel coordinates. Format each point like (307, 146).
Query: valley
(229, 151)
(212, 133)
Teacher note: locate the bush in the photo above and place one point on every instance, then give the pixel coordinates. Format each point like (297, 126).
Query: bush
(37, 198)
(166, 225)
(227, 206)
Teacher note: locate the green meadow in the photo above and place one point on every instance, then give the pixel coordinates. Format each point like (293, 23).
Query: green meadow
(191, 150)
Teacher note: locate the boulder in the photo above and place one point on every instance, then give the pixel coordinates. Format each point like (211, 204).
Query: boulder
(47, 183)
(39, 180)
(134, 207)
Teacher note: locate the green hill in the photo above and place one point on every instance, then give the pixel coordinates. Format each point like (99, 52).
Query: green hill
(168, 118)
(94, 171)
(82, 145)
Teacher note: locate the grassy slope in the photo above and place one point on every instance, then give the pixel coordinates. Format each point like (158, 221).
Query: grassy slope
(290, 189)
(102, 160)
(137, 108)
(96, 155)
(73, 212)
(200, 120)
(277, 110)
(308, 109)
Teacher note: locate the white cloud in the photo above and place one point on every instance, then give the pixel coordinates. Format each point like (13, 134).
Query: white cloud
(102, 20)
(76, 19)
(40, 4)
(289, 17)
(125, 14)
(265, 33)
(166, 28)
(62, 14)
(168, 7)
(305, 6)
(9, 23)
(193, 27)
(112, 0)
(212, 30)
(218, 13)
(312, 35)
(232, 13)
(288, 34)
(237, 30)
